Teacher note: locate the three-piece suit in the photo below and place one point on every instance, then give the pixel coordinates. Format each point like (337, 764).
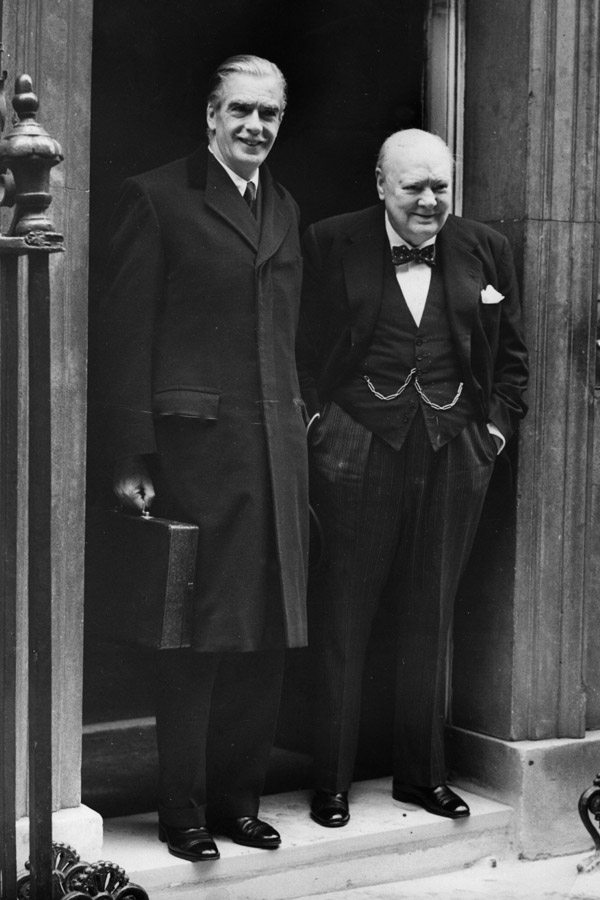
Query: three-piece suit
(400, 461)
(196, 342)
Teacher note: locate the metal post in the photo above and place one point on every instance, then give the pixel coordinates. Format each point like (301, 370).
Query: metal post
(8, 569)
(9, 454)
(40, 580)
(29, 153)
(53, 869)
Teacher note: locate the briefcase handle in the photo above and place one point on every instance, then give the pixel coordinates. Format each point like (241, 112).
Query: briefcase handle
(129, 511)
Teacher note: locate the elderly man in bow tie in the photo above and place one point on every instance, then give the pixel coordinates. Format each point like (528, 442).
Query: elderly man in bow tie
(413, 368)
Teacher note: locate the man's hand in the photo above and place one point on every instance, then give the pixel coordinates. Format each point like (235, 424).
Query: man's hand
(132, 483)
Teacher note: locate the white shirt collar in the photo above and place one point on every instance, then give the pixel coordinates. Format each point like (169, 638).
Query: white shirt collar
(240, 183)
(395, 239)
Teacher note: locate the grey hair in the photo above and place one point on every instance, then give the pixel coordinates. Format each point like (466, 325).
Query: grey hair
(242, 64)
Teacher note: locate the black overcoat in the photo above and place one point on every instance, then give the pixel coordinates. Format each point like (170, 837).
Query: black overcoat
(197, 333)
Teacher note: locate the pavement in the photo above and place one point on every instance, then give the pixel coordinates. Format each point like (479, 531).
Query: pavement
(546, 879)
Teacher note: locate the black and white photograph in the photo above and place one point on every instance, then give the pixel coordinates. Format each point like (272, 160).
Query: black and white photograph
(299, 452)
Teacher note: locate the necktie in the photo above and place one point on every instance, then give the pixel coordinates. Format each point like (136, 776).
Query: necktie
(250, 196)
(403, 254)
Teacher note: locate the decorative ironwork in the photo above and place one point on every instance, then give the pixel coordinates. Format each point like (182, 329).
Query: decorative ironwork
(29, 152)
(589, 805)
(73, 879)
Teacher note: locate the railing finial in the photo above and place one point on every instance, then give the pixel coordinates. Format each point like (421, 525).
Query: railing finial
(29, 152)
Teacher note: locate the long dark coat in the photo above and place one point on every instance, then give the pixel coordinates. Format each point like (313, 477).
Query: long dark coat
(196, 340)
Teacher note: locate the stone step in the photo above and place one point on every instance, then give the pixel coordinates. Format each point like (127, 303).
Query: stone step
(385, 841)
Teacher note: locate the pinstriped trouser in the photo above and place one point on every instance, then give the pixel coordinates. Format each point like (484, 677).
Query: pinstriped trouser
(399, 523)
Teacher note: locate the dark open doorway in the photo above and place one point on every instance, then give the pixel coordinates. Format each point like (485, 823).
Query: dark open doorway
(355, 73)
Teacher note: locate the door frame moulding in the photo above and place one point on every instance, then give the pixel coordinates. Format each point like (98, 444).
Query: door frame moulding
(444, 81)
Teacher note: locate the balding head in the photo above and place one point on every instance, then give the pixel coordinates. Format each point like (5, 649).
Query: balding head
(414, 179)
(414, 143)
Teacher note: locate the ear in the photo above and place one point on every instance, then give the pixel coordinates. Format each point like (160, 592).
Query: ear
(210, 117)
(380, 183)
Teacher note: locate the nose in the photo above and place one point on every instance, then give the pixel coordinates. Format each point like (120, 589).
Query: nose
(427, 198)
(253, 122)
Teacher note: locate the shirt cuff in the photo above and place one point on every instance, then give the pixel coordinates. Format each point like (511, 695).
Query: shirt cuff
(494, 431)
(312, 419)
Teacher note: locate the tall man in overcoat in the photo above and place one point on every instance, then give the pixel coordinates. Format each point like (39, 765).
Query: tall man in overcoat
(204, 417)
(413, 367)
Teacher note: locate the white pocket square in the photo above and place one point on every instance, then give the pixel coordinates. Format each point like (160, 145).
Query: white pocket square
(491, 295)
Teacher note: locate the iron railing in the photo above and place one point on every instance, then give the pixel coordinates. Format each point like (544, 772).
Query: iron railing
(27, 154)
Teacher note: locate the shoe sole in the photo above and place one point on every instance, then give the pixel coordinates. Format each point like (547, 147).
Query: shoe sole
(407, 798)
(255, 844)
(190, 858)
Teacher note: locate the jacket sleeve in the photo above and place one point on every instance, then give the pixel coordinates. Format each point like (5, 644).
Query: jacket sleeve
(126, 320)
(507, 403)
(312, 328)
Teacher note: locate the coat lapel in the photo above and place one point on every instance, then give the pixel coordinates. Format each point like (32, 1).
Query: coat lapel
(221, 195)
(363, 263)
(462, 275)
(277, 217)
(223, 198)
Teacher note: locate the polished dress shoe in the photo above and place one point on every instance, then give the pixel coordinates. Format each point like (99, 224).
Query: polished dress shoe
(330, 810)
(440, 800)
(195, 844)
(248, 831)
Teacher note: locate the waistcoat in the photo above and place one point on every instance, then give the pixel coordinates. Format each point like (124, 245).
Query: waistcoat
(397, 348)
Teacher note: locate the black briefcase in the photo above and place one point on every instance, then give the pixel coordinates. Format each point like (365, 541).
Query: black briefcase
(139, 579)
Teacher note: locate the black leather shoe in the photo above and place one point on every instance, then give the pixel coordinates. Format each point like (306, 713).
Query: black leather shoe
(330, 810)
(195, 844)
(248, 831)
(440, 800)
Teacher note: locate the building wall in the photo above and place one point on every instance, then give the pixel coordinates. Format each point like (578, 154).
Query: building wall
(495, 192)
(51, 41)
(531, 169)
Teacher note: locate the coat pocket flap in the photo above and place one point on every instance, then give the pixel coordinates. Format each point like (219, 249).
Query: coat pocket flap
(196, 404)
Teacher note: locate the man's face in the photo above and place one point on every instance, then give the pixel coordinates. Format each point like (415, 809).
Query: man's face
(243, 128)
(416, 187)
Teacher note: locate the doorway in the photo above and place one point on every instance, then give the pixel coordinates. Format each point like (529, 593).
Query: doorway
(355, 71)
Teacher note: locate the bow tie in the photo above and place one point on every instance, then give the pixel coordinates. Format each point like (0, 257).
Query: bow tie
(403, 254)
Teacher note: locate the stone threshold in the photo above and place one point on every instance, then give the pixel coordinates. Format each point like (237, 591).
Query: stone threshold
(385, 841)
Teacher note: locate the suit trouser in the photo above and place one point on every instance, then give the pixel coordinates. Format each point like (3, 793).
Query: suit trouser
(215, 716)
(399, 524)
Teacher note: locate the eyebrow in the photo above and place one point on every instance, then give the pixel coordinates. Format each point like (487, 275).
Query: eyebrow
(247, 106)
(436, 183)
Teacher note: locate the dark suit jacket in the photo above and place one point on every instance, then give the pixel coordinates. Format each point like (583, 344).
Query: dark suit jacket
(342, 296)
(198, 326)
